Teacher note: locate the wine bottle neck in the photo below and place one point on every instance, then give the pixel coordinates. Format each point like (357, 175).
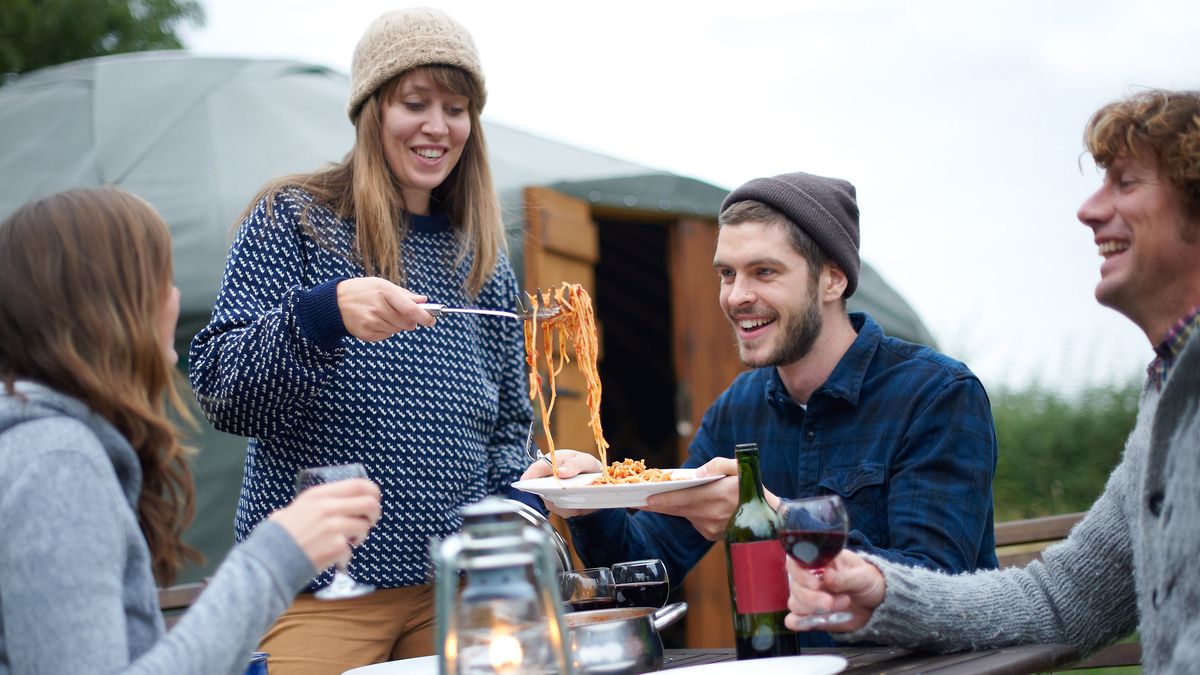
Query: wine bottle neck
(749, 481)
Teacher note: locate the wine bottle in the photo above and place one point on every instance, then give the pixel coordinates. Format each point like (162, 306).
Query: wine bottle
(758, 583)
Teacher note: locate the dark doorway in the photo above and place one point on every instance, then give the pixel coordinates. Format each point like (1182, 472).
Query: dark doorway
(633, 305)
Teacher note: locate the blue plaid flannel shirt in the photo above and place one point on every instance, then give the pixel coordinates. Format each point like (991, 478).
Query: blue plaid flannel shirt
(903, 433)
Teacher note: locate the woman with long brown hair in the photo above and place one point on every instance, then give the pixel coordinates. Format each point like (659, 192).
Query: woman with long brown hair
(95, 491)
(312, 352)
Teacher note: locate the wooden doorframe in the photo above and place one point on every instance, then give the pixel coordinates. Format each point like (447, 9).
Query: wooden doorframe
(705, 363)
(560, 231)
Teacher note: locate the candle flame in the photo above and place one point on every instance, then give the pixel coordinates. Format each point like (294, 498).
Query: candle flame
(506, 653)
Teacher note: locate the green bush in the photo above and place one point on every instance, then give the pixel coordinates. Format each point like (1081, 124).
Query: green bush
(1057, 450)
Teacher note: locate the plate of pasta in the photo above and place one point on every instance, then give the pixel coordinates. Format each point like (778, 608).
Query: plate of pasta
(586, 492)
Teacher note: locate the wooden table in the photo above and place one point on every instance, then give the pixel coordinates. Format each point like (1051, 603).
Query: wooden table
(863, 660)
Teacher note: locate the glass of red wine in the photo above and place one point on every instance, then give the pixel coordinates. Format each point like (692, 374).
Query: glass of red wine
(813, 531)
(641, 583)
(590, 588)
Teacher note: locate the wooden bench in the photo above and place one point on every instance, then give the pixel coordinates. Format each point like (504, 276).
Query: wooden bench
(1018, 542)
(174, 600)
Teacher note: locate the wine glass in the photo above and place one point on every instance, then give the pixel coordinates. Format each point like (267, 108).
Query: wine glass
(590, 588)
(343, 585)
(641, 583)
(813, 531)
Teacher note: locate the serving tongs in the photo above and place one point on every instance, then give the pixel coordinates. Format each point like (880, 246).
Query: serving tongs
(548, 306)
(437, 310)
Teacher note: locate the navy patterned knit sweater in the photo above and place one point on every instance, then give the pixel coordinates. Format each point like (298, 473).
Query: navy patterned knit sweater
(438, 415)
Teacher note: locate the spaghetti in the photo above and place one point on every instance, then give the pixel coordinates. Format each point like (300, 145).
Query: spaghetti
(630, 471)
(574, 319)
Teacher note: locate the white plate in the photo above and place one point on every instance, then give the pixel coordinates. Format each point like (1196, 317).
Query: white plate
(421, 665)
(578, 493)
(813, 664)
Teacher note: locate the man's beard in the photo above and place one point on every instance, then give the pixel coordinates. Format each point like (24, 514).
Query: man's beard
(800, 333)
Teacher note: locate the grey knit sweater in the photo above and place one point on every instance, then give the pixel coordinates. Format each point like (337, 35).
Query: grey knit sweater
(76, 590)
(1135, 554)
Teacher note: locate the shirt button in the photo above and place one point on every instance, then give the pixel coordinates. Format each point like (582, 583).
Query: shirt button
(809, 436)
(1156, 502)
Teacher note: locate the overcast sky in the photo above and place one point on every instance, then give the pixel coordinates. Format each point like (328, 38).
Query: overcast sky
(959, 122)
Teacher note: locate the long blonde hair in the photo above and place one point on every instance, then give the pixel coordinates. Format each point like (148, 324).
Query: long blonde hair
(363, 187)
(84, 275)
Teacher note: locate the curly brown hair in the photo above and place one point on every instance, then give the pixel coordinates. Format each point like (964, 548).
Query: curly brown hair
(83, 278)
(1155, 125)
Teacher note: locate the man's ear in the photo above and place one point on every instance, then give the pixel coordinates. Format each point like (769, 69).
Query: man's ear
(832, 282)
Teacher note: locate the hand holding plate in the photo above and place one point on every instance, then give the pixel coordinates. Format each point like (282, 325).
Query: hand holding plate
(707, 507)
(570, 463)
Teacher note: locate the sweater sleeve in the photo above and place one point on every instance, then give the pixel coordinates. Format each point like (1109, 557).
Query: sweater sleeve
(251, 588)
(1081, 593)
(271, 341)
(66, 601)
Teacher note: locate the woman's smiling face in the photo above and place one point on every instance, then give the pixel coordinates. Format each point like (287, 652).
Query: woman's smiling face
(424, 130)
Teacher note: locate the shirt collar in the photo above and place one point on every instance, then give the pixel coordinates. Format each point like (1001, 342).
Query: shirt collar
(1172, 344)
(847, 377)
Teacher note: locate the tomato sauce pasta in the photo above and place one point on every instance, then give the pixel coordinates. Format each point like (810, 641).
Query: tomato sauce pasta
(574, 320)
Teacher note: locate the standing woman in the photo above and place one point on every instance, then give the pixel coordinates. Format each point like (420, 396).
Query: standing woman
(94, 484)
(312, 352)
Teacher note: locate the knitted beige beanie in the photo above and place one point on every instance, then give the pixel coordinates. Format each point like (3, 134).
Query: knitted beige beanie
(404, 39)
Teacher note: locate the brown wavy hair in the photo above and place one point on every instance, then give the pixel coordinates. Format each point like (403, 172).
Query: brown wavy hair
(83, 277)
(362, 187)
(1154, 125)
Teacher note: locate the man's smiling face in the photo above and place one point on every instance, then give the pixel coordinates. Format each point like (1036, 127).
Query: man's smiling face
(768, 294)
(1139, 226)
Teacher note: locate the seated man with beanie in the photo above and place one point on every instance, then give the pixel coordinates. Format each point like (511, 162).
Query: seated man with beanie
(901, 432)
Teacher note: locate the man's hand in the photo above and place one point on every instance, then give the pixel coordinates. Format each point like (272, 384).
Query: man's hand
(570, 463)
(707, 507)
(849, 584)
(375, 309)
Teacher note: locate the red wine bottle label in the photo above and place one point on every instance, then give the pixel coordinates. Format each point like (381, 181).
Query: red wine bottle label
(759, 577)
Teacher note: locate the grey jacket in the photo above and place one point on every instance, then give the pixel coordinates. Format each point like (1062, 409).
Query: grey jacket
(1135, 554)
(76, 590)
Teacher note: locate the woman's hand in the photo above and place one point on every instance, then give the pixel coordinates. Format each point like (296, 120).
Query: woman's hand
(326, 520)
(570, 463)
(849, 584)
(375, 309)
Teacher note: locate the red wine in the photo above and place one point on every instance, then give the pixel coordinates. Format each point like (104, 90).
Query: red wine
(812, 548)
(591, 603)
(642, 594)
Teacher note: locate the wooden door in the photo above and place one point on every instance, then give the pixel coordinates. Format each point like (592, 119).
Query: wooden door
(562, 244)
(705, 363)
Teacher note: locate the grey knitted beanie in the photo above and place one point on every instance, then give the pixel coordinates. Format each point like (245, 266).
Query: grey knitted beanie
(825, 208)
(404, 39)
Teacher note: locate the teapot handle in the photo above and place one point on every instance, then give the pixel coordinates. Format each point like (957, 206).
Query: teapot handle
(661, 618)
